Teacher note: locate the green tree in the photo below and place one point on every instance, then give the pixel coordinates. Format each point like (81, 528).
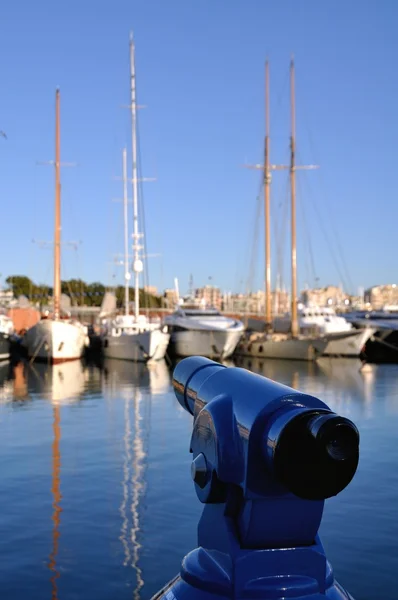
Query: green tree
(20, 285)
(79, 291)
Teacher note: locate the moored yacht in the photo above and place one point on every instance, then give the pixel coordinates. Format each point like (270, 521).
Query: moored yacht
(203, 332)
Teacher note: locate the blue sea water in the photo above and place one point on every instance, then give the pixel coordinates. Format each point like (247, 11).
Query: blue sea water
(96, 496)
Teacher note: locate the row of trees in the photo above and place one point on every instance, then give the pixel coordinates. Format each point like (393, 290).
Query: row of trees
(80, 292)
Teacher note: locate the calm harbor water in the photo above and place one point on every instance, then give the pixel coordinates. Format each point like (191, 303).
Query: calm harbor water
(96, 496)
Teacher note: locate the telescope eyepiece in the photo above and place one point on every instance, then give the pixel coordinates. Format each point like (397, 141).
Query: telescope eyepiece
(316, 454)
(336, 436)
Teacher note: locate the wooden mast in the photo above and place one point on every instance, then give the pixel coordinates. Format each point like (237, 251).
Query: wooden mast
(293, 204)
(57, 230)
(267, 182)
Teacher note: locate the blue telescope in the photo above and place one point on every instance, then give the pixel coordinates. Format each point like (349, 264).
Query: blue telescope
(265, 458)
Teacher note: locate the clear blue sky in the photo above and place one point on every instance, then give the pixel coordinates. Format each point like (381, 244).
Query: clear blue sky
(200, 70)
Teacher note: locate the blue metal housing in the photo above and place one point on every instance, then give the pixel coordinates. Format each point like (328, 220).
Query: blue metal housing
(257, 538)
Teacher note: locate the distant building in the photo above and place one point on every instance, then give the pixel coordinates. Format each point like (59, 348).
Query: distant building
(151, 289)
(254, 303)
(280, 302)
(170, 297)
(209, 295)
(382, 296)
(6, 297)
(330, 295)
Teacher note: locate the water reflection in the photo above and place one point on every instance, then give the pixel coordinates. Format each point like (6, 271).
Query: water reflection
(62, 384)
(6, 386)
(20, 386)
(93, 507)
(137, 488)
(56, 494)
(137, 383)
(339, 382)
(117, 374)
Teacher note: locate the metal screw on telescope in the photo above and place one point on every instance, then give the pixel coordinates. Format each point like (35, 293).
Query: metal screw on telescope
(199, 470)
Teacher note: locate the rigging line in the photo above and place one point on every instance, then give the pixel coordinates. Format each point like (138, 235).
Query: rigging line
(306, 244)
(337, 265)
(243, 259)
(282, 94)
(143, 226)
(327, 238)
(330, 215)
(67, 282)
(254, 248)
(306, 233)
(282, 232)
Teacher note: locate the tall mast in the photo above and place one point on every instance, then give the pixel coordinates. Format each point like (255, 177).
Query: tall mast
(137, 265)
(126, 237)
(57, 230)
(293, 203)
(267, 182)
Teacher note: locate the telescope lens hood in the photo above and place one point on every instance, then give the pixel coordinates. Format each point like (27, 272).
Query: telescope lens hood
(316, 454)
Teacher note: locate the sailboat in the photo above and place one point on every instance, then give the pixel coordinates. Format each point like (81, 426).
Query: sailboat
(271, 345)
(56, 339)
(295, 345)
(133, 337)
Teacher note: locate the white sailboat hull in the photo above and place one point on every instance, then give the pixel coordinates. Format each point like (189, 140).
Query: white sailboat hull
(55, 341)
(205, 342)
(349, 344)
(289, 349)
(139, 347)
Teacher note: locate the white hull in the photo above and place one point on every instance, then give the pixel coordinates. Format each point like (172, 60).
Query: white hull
(348, 344)
(205, 342)
(289, 349)
(138, 347)
(121, 377)
(55, 341)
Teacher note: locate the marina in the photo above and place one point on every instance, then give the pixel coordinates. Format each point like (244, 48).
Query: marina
(199, 376)
(123, 329)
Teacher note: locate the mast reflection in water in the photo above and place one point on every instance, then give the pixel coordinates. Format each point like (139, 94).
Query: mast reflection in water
(56, 492)
(62, 384)
(128, 380)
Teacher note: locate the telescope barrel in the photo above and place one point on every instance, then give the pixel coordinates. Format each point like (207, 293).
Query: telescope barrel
(189, 375)
(306, 447)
